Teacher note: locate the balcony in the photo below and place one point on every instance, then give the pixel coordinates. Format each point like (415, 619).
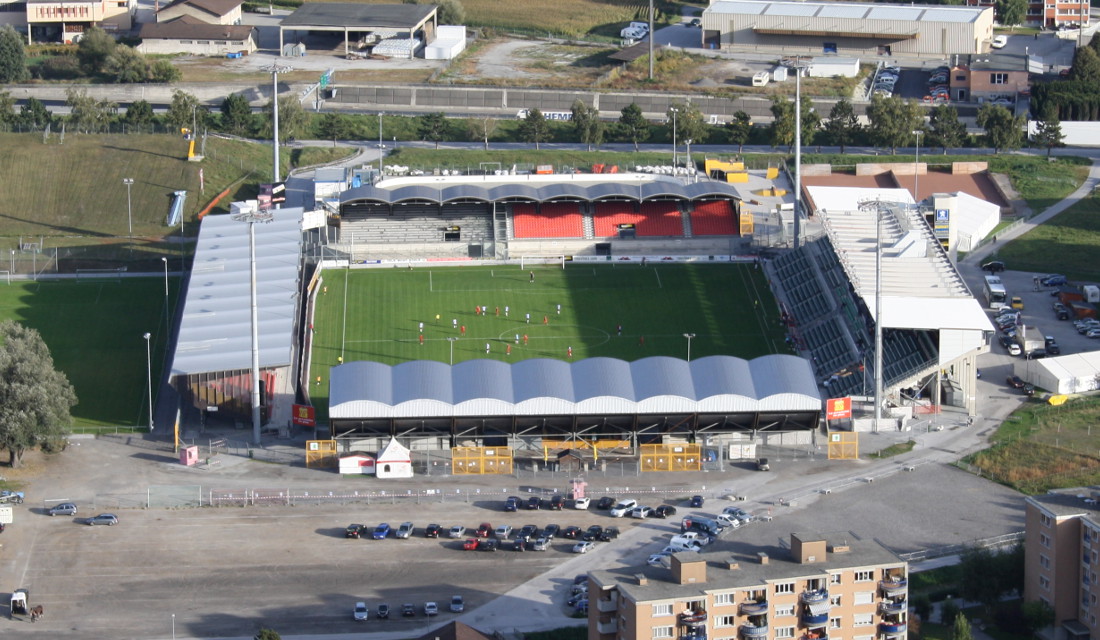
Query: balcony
(754, 631)
(892, 606)
(815, 596)
(607, 604)
(693, 618)
(815, 621)
(891, 586)
(813, 636)
(611, 626)
(751, 608)
(695, 634)
(892, 629)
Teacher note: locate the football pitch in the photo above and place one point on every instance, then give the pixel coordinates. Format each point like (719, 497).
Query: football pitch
(95, 332)
(618, 311)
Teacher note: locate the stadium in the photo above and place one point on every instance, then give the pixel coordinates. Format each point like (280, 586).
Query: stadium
(529, 278)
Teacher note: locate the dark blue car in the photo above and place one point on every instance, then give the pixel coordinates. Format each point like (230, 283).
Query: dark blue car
(381, 532)
(696, 502)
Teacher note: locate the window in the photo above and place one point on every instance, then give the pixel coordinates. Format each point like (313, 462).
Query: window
(787, 610)
(785, 587)
(865, 576)
(1044, 561)
(834, 600)
(863, 620)
(186, 42)
(723, 598)
(865, 597)
(1044, 583)
(834, 578)
(1044, 519)
(784, 632)
(662, 610)
(998, 78)
(725, 621)
(662, 632)
(1044, 540)
(202, 42)
(834, 623)
(961, 78)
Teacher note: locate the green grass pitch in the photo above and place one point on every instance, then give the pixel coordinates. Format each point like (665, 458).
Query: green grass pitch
(95, 329)
(728, 307)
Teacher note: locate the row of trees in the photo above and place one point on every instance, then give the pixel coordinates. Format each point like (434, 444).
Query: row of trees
(98, 56)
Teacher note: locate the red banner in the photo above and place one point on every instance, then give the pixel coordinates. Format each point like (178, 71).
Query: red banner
(304, 416)
(837, 408)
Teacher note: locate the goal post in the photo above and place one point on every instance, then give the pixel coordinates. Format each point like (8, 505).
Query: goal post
(527, 262)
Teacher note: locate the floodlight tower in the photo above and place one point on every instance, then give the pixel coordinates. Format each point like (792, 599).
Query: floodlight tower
(275, 69)
(252, 217)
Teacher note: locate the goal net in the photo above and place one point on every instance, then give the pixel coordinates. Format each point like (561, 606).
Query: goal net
(530, 262)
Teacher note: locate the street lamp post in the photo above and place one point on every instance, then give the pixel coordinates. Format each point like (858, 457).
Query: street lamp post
(452, 341)
(689, 336)
(916, 168)
(252, 217)
(129, 209)
(674, 111)
(165, 261)
(149, 376)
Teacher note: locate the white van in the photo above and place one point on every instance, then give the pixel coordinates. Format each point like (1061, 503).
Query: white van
(761, 79)
(623, 508)
(640, 26)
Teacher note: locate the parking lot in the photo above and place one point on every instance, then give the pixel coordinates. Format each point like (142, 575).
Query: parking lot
(223, 571)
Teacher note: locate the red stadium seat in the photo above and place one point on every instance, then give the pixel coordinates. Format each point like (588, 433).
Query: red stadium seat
(654, 218)
(557, 220)
(713, 218)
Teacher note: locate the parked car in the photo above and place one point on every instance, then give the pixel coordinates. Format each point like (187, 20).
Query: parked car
(533, 503)
(488, 544)
(519, 545)
(527, 532)
(572, 533)
(470, 544)
(695, 22)
(408, 610)
(557, 502)
(609, 534)
(456, 531)
(726, 520)
(582, 503)
(1016, 382)
(431, 609)
(1017, 302)
(658, 559)
(381, 531)
(352, 530)
(593, 533)
(583, 547)
(739, 513)
(108, 519)
(1093, 333)
(405, 530)
(550, 530)
(999, 42)
(503, 531)
(605, 503)
(511, 504)
(542, 544)
(361, 612)
(576, 599)
(696, 502)
(1054, 280)
(383, 611)
(458, 605)
(484, 530)
(640, 511)
(1052, 347)
(664, 511)
(1010, 345)
(762, 464)
(65, 509)
(623, 507)
(432, 531)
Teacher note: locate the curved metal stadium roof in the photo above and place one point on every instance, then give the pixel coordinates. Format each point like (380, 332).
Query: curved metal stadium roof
(593, 386)
(541, 192)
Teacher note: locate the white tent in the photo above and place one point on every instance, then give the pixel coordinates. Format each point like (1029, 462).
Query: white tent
(1076, 373)
(394, 461)
(357, 464)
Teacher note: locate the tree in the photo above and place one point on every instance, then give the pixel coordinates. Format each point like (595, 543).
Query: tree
(293, 119)
(184, 111)
(944, 129)
(13, 58)
(163, 71)
(922, 606)
(586, 122)
(139, 114)
(842, 124)
(782, 128)
(1037, 615)
(93, 50)
(1011, 12)
(433, 127)
(690, 124)
(35, 398)
(739, 129)
(632, 125)
(86, 113)
(451, 12)
(948, 611)
(1049, 132)
(126, 66)
(335, 126)
(236, 114)
(7, 109)
(961, 629)
(267, 634)
(533, 127)
(1002, 129)
(482, 128)
(893, 121)
(1086, 65)
(980, 576)
(34, 114)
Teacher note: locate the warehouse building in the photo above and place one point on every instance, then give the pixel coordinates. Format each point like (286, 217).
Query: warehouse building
(847, 29)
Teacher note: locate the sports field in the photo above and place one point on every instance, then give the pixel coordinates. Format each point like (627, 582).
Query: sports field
(95, 329)
(728, 307)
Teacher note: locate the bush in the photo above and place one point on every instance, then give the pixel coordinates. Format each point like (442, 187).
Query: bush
(59, 68)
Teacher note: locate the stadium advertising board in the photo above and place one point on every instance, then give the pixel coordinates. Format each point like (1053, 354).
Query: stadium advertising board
(838, 408)
(304, 416)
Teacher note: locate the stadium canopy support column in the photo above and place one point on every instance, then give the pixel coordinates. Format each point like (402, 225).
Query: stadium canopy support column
(255, 332)
(878, 315)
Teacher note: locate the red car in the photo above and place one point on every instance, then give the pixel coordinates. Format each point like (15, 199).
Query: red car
(470, 545)
(485, 530)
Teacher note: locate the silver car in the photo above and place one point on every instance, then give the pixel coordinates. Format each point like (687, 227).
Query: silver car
(63, 509)
(108, 519)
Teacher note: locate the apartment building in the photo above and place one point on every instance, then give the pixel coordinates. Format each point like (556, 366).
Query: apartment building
(66, 20)
(1049, 13)
(832, 587)
(1061, 559)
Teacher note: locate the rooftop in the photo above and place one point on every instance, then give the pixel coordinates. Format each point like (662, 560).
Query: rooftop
(1064, 503)
(358, 16)
(858, 10)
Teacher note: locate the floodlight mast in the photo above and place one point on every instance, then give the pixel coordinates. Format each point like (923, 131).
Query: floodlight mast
(275, 69)
(252, 217)
(877, 207)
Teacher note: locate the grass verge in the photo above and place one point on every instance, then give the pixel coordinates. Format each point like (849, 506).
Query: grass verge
(893, 450)
(1066, 244)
